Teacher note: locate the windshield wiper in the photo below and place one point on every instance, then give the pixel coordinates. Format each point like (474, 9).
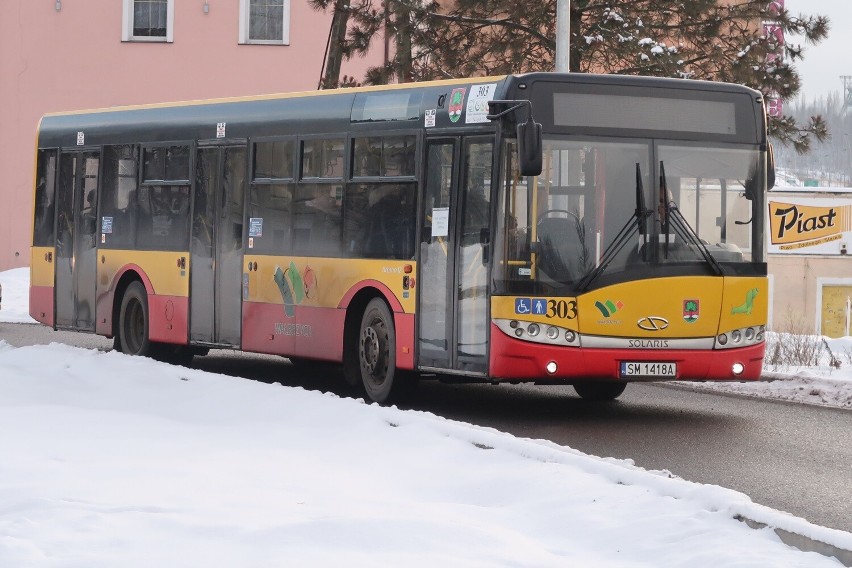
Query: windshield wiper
(635, 224)
(675, 219)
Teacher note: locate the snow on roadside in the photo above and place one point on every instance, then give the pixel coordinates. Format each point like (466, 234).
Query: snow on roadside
(112, 460)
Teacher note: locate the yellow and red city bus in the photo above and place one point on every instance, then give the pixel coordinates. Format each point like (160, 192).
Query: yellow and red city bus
(395, 230)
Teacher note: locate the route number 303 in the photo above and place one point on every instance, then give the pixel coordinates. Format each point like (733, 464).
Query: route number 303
(563, 309)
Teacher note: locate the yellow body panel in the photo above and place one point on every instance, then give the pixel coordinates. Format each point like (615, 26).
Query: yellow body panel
(560, 311)
(693, 306)
(161, 269)
(746, 303)
(663, 298)
(42, 272)
(324, 281)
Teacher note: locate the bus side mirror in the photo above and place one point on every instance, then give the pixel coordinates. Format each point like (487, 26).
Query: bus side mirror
(529, 148)
(770, 166)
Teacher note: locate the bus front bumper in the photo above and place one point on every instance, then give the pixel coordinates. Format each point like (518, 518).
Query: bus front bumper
(513, 359)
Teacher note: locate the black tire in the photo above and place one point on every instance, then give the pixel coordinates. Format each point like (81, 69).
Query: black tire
(376, 349)
(133, 333)
(599, 391)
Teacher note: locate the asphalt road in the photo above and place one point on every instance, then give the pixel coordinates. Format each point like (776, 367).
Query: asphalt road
(792, 457)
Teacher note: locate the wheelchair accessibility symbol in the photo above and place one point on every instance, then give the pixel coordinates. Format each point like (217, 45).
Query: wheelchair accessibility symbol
(523, 305)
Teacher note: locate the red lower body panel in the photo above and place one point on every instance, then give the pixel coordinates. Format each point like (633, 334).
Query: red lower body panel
(41, 304)
(168, 319)
(315, 333)
(515, 359)
(404, 340)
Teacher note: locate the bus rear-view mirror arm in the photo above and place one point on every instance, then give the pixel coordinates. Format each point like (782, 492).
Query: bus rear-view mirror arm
(529, 136)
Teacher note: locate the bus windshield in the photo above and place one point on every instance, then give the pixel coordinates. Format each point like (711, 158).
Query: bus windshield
(606, 210)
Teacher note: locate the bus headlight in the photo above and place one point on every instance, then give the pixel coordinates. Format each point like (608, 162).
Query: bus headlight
(538, 332)
(743, 337)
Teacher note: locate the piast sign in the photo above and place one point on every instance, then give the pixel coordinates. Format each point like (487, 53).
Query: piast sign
(809, 225)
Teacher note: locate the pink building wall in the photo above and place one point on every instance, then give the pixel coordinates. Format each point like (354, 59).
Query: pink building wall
(74, 59)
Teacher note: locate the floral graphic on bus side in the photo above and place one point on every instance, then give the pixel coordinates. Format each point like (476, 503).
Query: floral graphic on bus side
(294, 287)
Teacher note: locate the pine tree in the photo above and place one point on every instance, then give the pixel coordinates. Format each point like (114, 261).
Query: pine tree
(697, 39)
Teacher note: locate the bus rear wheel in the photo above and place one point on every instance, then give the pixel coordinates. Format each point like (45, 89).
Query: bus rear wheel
(377, 352)
(599, 391)
(133, 321)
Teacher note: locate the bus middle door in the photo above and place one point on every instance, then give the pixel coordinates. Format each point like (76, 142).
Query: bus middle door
(216, 249)
(453, 310)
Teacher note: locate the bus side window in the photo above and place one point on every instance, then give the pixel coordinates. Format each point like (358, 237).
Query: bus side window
(317, 219)
(44, 199)
(163, 221)
(380, 220)
(273, 203)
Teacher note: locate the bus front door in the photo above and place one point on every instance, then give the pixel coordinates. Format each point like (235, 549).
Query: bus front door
(453, 311)
(76, 240)
(216, 250)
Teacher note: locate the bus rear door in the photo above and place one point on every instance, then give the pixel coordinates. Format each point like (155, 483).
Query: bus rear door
(452, 281)
(76, 234)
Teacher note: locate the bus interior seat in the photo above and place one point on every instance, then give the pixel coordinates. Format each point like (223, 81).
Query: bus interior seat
(561, 249)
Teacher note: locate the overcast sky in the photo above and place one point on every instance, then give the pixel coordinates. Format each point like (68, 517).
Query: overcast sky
(824, 63)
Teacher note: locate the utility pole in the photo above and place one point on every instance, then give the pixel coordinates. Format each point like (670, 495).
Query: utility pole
(847, 91)
(563, 35)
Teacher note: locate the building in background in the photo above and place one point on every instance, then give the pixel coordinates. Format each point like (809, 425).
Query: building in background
(61, 55)
(810, 241)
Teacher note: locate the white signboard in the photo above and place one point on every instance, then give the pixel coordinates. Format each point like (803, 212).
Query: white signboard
(809, 225)
(477, 102)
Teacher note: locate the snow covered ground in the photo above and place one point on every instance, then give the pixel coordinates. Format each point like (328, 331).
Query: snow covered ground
(110, 460)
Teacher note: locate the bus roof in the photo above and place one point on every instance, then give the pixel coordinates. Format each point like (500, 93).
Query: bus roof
(312, 112)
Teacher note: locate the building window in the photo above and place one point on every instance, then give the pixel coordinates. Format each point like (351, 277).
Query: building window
(265, 22)
(148, 20)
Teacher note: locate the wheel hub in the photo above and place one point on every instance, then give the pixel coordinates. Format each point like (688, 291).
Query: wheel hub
(370, 349)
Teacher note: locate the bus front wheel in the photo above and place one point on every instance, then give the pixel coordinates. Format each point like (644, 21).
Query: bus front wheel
(133, 321)
(599, 391)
